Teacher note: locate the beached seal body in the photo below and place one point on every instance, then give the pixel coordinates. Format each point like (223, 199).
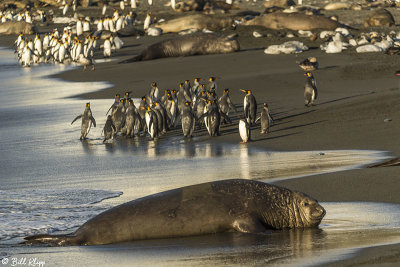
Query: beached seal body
(16, 27)
(207, 6)
(188, 45)
(241, 205)
(293, 21)
(379, 17)
(197, 21)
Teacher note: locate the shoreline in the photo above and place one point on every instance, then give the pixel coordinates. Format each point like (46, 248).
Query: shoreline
(357, 93)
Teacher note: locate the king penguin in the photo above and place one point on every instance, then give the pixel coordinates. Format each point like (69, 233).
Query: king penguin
(188, 120)
(109, 129)
(225, 105)
(141, 122)
(310, 89)
(172, 111)
(115, 104)
(130, 118)
(161, 117)
(212, 118)
(249, 106)
(152, 123)
(212, 85)
(118, 115)
(266, 119)
(244, 130)
(87, 121)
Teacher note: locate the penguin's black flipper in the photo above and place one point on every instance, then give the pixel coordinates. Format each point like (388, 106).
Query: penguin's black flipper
(78, 117)
(123, 122)
(53, 240)
(203, 116)
(93, 121)
(110, 109)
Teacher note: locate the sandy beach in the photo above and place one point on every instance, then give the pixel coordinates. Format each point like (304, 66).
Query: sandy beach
(357, 108)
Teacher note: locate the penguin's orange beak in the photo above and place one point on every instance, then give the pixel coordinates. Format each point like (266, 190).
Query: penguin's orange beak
(244, 91)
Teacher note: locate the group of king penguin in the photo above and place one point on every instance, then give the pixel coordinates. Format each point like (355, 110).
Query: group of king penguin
(196, 104)
(192, 104)
(55, 47)
(76, 45)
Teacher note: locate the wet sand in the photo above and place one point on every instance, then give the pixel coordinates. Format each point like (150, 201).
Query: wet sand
(357, 92)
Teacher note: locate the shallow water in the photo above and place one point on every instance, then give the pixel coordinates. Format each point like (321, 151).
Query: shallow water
(51, 181)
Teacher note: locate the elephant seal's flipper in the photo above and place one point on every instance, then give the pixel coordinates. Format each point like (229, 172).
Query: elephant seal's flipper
(132, 59)
(52, 240)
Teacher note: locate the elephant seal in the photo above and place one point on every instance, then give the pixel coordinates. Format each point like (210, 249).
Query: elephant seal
(197, 21)
(337, 6)
(207, 6)
(188, 45)
(293, 21)
(378, 18)
(279, 3)
(228, 205)
(16, 27)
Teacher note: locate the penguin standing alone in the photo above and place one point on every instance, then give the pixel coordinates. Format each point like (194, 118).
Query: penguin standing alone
(310, 89)
(266, 119)
(249, 106)
(212, 118)
(87, 121)
(147, 22)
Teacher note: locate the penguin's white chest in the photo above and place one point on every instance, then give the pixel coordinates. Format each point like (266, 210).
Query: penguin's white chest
(148, 123)
(243, 131)
(245, 104)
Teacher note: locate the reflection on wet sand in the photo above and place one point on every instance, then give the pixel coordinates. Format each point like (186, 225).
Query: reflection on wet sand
(252, 163)
(244, 162)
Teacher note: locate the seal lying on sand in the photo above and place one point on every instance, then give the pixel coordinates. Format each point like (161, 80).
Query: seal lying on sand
(242, 205)
(16, 27)
(379, 18)
(293, 21)
(208, 6)
(188, 45)
(197, 21)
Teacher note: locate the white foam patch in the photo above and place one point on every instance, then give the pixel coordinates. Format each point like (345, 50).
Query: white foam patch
(27, 212)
